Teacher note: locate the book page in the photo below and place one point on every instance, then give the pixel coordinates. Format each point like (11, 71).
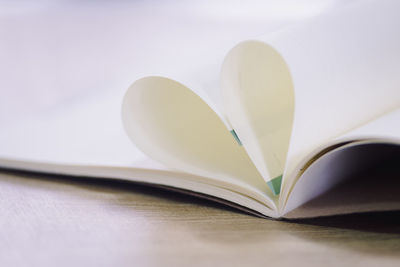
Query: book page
(86, 140)
(345, 74)
(175, 126)
(57, 59)
(259, 103)
(344, 69)
(348, 156)
(368, 182)
(87, 132)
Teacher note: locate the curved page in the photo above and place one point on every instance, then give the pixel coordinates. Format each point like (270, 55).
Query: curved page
(343, 156)
(88, 140)
(357, 177)
(174, 126)
(344, 71)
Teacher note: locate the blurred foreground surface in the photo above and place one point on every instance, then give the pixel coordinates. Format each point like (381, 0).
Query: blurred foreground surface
(56, 221)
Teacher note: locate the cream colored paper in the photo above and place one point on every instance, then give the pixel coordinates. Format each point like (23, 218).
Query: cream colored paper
(344, 72)
(342, 69)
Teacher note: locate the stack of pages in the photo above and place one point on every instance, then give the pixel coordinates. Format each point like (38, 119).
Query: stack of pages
(305, 122)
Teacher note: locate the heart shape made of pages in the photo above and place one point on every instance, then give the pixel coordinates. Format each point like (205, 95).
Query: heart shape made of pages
(175, 126)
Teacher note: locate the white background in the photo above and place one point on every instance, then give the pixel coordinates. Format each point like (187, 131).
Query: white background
(55, 53)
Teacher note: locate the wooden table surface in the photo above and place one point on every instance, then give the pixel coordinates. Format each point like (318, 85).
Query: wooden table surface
(48, 220)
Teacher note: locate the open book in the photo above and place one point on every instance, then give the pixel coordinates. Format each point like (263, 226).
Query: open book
(297, 113)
